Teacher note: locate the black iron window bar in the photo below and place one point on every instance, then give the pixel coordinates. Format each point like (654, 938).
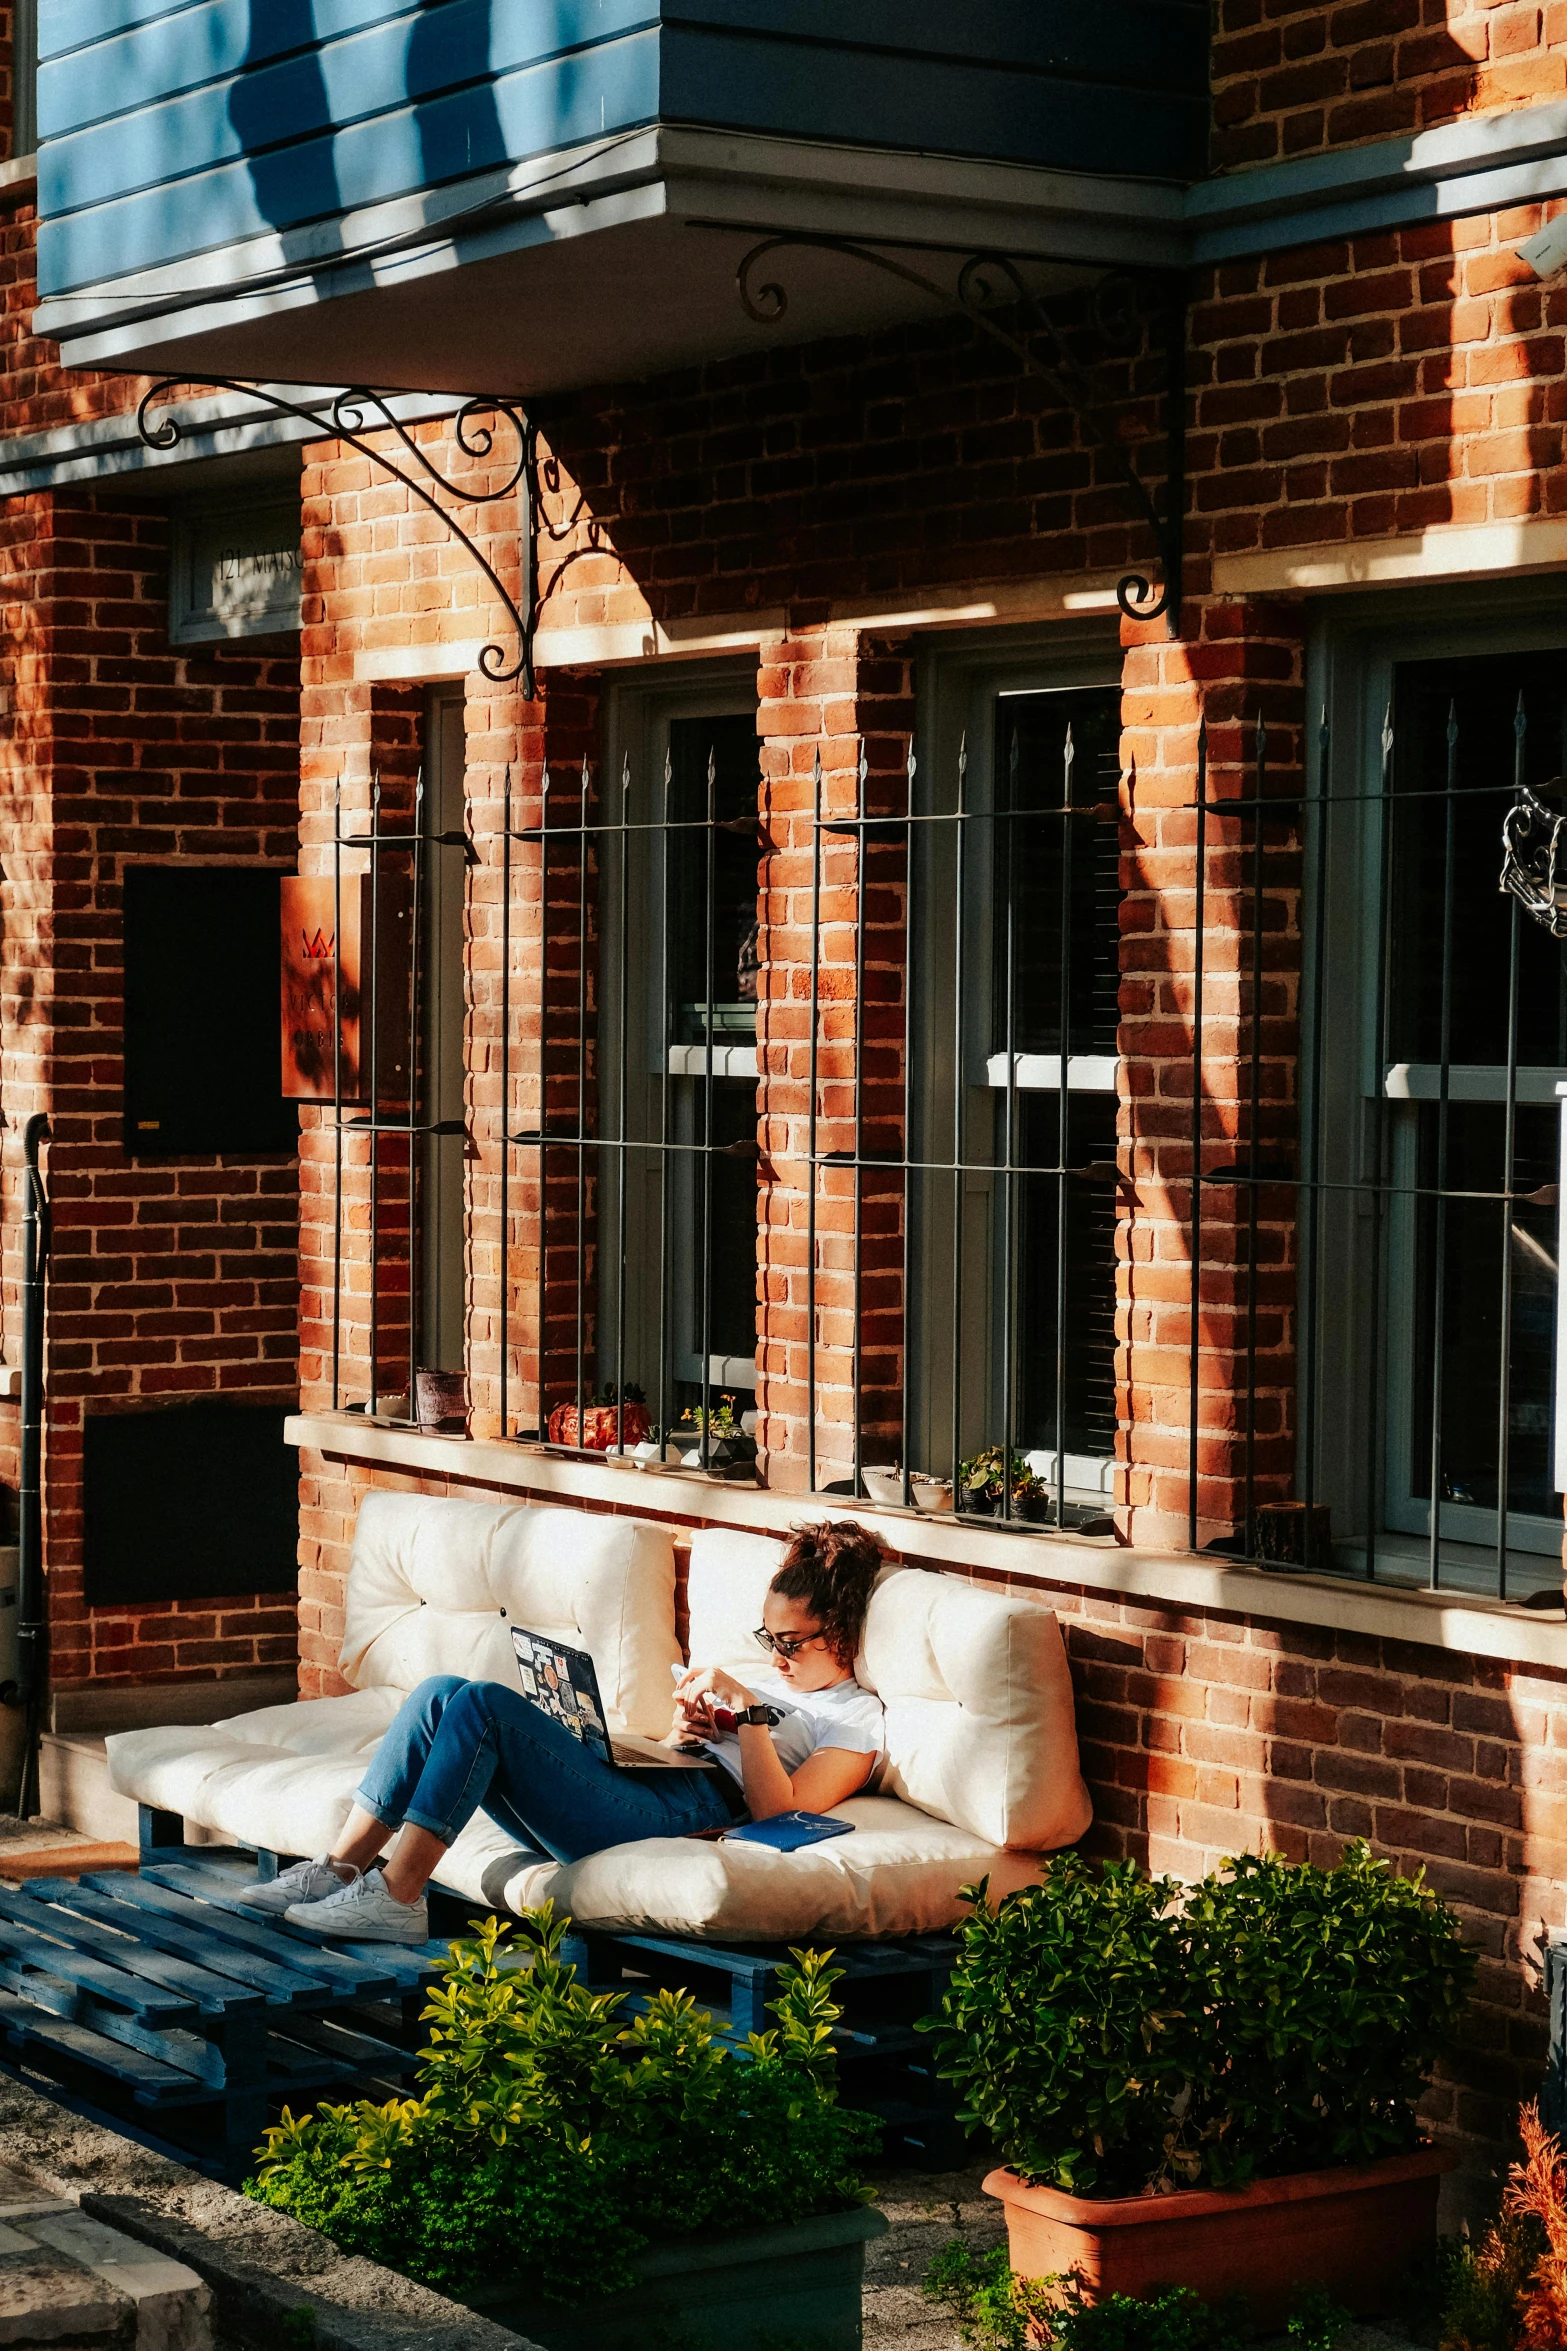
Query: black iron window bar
(386, 1102)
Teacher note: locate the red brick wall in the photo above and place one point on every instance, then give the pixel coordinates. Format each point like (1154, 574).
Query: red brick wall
(167, 1280)
(1291, 77)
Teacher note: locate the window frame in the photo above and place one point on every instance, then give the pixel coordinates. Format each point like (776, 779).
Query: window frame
(1352, 655)
(958, 682)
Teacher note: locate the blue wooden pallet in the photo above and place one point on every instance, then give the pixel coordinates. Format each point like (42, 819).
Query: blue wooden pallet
(164, 1994)
(885, 2065)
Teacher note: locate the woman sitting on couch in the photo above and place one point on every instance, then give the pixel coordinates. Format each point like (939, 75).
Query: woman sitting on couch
(804, 1737)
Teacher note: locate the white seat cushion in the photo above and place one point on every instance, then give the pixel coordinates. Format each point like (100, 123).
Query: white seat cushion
(898, 1874)
(283, 1777)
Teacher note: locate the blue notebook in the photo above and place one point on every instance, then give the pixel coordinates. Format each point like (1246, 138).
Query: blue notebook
(786, 1832)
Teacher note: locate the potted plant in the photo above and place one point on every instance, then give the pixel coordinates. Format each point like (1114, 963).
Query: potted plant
(728, 1440)
(981, 1480)
(979, 1483)
(594, 2180)
(1211, 2086)
(605, 1421)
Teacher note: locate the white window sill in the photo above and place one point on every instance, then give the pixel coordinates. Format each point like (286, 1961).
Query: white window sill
(1436, 1620)
(19, 176)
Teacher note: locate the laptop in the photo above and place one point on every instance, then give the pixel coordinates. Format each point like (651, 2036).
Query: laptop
(562, 1683)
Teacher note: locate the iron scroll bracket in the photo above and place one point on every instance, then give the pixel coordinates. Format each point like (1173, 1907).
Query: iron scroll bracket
(361, 418)
(987, 281)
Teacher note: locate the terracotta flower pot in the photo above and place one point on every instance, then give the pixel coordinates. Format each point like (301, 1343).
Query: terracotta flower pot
(600, 1425)
(1356, 2231)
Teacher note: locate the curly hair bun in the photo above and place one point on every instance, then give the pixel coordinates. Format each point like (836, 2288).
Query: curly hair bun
(832, 1569)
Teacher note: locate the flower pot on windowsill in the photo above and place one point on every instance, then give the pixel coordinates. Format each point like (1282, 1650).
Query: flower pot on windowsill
(1357, 2230)
(799, 2283)
(974, 1502)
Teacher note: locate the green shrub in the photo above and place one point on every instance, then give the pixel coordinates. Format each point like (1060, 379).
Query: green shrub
(999, 2311)
(550, 2143)
(1119, 2033)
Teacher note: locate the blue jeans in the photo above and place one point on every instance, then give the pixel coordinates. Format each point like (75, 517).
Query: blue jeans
(454, 1748)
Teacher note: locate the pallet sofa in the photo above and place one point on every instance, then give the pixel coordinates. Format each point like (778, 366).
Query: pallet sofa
(981, 1776)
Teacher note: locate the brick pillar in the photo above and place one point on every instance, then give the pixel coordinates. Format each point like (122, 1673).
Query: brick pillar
(1234, 663)
(831, 694)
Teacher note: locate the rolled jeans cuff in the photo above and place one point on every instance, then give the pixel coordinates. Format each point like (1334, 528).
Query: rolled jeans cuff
(390, 1820)
(443, 1829)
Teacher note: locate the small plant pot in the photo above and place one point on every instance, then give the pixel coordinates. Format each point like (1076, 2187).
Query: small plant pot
(1035, 1510)
(932, 1494)
(1356, 2230)
(441, 1401)
(977, 1505)
(884, 1486)
(798, 2284)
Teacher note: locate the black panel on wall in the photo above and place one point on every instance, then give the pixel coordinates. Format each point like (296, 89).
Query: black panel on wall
(201, 1013)
(190, 1502)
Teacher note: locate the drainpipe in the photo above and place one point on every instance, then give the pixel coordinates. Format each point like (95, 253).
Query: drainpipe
(32, 1610)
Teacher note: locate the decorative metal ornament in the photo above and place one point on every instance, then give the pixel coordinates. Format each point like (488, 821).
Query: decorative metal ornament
(1534, 853)
(985, 280)
(353, 416)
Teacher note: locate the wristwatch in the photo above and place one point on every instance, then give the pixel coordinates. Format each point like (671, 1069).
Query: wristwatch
(730, 1718)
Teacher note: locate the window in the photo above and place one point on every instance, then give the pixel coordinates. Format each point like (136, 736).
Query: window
(1434, 1137)
(1015, 920)
(648, 1278)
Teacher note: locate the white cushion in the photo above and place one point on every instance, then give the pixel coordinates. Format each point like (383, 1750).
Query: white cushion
(285, 1778)
(434, 1586)
(898, 1874)
(980, 1727)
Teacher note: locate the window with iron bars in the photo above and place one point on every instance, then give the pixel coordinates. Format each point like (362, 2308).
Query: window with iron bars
(1435, 1083)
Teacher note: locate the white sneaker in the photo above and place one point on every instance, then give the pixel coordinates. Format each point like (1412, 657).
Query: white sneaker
(305, 1881)
(363, 1911)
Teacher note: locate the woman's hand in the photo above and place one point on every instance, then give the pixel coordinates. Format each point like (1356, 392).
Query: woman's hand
(707, 1686)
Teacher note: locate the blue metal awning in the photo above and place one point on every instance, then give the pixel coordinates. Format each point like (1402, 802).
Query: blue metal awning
(533, 193)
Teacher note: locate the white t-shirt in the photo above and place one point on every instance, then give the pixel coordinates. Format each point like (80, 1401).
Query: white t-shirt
(846, 1715)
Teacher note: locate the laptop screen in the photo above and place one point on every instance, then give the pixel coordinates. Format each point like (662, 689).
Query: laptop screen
(561, 1682)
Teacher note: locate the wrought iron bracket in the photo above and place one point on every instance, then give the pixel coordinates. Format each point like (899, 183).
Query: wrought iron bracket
(986, 282)
(361, 418)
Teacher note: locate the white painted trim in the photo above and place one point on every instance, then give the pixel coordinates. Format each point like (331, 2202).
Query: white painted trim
(729, 1061)
(1448, 551)
(1421, 1081)
(18, 177)
(1434, 1620)
(1086, 1073)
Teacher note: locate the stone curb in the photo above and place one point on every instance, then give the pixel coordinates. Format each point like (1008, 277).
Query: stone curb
(266, 2271)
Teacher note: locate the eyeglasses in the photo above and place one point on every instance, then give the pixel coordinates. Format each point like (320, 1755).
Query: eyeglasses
(786, 1644)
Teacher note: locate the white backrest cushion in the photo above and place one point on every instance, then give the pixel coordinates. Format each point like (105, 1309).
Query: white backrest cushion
(434, 1586)
(727, 1584)
(980, 1725)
